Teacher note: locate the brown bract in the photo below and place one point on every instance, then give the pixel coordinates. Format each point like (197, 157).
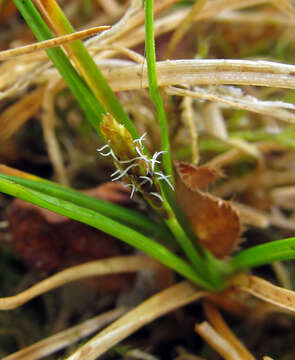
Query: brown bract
(213, 220)
(49, 242)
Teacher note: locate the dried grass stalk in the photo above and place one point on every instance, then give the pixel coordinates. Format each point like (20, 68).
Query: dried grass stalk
(184, 27)
(215, 125)
(202, 72)
(221, 327)
(48, 121)
(270, 178)
(264, 290)
(65, 338)
(169, 22)
(218, 343)
(251, 216)
(126, 76)
(235, 98)
(111, 7)
(43, 45)
(120, 264)
(162, 303)
(282, 274)
(133, 18)
(278, 219)
(259, 18)
(188, 117)
(284, 197)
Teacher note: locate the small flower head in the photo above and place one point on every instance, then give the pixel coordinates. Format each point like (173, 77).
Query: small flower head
(133, 164)
(118, 137)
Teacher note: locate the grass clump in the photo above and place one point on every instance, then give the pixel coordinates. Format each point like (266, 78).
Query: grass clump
(194, 233)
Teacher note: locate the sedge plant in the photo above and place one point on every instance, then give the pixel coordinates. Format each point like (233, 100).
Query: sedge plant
(149, 176)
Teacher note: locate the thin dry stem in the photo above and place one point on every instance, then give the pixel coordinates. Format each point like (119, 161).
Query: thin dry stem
(184, 355)
(268, 178)
(171, 21)
(242, 17)
(111, 7)
(131, 54)
(286, 7)
(188, 117)
(47, 44)
(125, 23)
(282, 274)
(65, 338)
(284, 197)
(246, 148)
(234, 98)
(221, 327)
(162, 303)
(250, 216)
(115, 265)
(140, 355)
(18, 78)
(48, 121)
(264, 290)
(215, 125)
(218, 343)
(202, 72)
(211, 9)
(214, 121)
(184, 27)
(277, 219)
(233, 155)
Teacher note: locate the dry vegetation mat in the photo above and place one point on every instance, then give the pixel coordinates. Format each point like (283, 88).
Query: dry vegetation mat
(151, 156)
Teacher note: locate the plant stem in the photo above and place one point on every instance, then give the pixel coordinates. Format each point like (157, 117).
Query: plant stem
(106, 208)
(185, 243)
(264, 254)
(80, 90)
(153, 85)
(85, 64)
(107, 225)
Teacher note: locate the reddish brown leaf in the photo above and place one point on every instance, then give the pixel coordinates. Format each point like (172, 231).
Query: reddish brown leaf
(7, 11)
(49, 242)
(196, 177)
(214, 221)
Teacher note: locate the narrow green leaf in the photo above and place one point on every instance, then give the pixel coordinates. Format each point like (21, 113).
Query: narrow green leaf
(86, 65)
(116, 212)
(264, 254)
(80, 90)
(153, 85)
(109, 226)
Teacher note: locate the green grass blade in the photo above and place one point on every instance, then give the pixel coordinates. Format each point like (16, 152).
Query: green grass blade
(210, 268)
(80, 90)
(264, 254)
(116, 212)
(105, 224)
(86, 65)
(153, 85)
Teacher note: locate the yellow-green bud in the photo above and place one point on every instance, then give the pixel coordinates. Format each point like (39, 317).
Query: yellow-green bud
(118, 138)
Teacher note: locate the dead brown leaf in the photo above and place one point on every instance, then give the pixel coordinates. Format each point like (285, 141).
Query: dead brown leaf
(214, 220)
